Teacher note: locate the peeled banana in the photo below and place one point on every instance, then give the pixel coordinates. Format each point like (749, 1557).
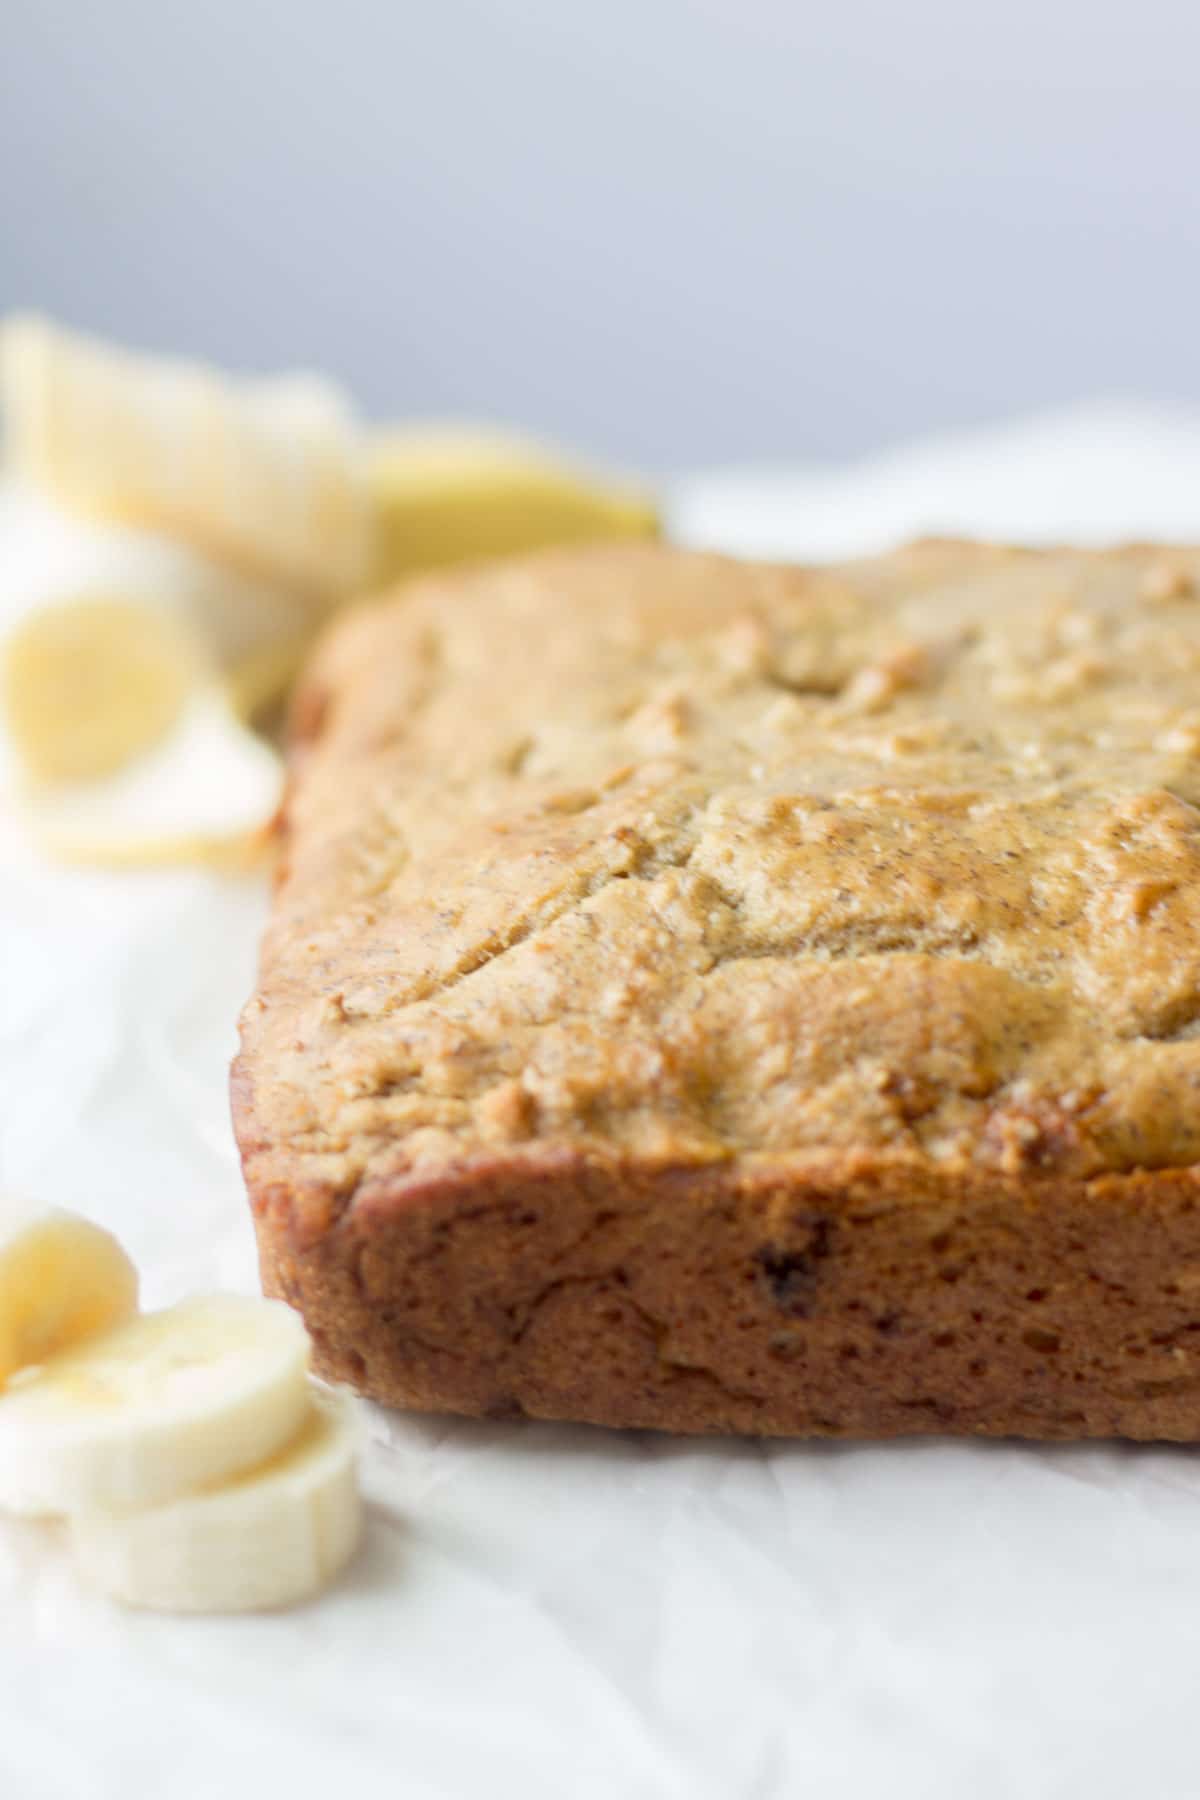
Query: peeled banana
(90, 684)
(63, 1281)
(170, 540)
(268, 1538)
(445, 494)
(154, 1409)
(199, 1466)
(124, 663)
(207, 792)
(264, 475)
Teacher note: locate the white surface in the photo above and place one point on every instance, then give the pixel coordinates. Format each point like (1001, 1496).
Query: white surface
(1098, 474)
(559, 1612)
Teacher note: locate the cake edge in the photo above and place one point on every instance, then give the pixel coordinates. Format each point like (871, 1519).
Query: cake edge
(845, 1295)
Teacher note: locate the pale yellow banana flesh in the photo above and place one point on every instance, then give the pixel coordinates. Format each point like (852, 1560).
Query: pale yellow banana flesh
(200, 1468)
(208, 792)
(269, 1538)
(124, 707)
(265, 475)
(443, 495)
(156, 1408)
(123, 717)
(63, 1281)
(88, 685)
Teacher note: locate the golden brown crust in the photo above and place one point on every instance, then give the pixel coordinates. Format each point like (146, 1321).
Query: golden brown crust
(732, 998)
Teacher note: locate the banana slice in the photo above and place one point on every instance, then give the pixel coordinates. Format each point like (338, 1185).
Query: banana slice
(266, 475)
(252, 633)
(208, 791)
(87, 685)
(63, 1280)
(163, 1405)
(270, 1538)
(443, 494)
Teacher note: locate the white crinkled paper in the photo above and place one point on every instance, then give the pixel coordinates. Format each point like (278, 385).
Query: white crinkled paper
(553, 1611)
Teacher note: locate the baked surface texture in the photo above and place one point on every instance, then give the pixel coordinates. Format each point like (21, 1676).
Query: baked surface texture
(723, 997)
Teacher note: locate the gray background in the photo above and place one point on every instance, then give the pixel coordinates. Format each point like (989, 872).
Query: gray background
(673, 233)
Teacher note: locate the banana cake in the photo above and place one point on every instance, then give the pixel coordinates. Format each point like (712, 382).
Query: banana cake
(727, 997)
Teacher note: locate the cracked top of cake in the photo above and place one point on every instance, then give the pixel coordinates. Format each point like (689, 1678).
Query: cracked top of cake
(643, 854)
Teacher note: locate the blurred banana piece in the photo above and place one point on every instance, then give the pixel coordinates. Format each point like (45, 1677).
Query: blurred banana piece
(63, 1280)
(172, 538)
(159, 1407)
(251, 634)
(444, 494)
(265, 475)
(207, 792)
(87, 685)
(128, 669)
(269, 1538)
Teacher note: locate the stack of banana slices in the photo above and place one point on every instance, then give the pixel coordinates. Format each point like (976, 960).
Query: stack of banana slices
(171, 538)
(198, 1466)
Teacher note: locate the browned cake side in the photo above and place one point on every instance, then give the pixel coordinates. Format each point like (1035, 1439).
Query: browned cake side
(723, 997)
